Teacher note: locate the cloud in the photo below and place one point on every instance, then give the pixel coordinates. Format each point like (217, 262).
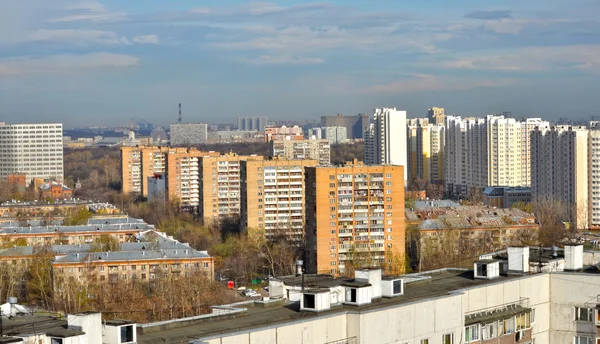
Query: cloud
(489, 15)
(202, 10)
(264, 8)
(78, 36)
(428, 82)
(285, 59)
(64, 64)
(532, 59)
(146, 39)
(88, 11)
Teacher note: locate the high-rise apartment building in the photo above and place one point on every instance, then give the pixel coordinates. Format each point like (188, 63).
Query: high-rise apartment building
(354, 216)
(252, 123)
(425, 150)
(140, 163)
(335, 135)
(272, 197)
(436, 115)
(188, 134)
(283, 133)
(560, 169)
(220, 185)
(355, 125)
(491, 151)
(314, 149)
(386, 142)
(35, 150)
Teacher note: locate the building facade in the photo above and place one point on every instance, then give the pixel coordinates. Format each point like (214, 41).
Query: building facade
(335, 135)
(354, 216)
(56, 191)
(35, 150)
(188, 134)
(506, 196)
(272, 197)
(355, 125)
(436, 115)
(252, 123)
(311, 149)
(220, 194)
(284, 133)
(559, 169)
(387, 139)
(425, 144)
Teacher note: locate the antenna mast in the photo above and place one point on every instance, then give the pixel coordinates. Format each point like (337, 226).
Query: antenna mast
(179, 120)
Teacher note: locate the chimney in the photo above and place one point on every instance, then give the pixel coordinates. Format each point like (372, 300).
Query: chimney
(573, 257)
(518, 259)
(13, 309)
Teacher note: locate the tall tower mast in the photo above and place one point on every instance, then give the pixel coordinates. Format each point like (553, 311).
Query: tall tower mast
(179, 120)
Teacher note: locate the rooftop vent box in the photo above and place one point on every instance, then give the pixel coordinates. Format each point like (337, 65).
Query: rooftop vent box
(358, 293)
(573, 257)
(486, 269)
(315, 300)
(392, 286)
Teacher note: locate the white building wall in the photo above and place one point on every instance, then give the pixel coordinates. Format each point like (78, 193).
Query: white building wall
(388, 145)
(33, 149)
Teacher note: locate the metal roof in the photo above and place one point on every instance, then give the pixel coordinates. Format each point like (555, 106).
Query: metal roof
(131, 255)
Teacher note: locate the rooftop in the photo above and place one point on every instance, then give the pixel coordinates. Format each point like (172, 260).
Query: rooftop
(9, 230)
(131, 255)
(430, 285)
(37, 324)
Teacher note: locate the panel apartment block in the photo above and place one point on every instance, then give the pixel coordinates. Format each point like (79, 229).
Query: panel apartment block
(35, 150)
(188, 134)
(354, 215)
(355, 125)
(272, 200)
(385, 142)
(319, 150)
(220, 185)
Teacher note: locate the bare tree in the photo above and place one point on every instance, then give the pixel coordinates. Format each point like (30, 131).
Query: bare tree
(551, 214)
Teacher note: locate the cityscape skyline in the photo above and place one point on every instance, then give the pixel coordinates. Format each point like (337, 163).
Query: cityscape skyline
(98, 62)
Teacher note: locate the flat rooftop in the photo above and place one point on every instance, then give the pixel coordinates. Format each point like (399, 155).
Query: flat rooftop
(29, 325)
(439, 284)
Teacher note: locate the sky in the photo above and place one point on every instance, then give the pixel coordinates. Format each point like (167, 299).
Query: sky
(108, 62)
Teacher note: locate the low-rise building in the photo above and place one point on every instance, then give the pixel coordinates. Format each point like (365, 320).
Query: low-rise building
(122, 229)
(55, 190)
(506, 196)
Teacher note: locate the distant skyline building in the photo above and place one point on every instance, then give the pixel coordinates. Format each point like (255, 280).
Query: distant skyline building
(35, 150)
(436, 115)
(335, 135)
(355, 125)
(311, 149)
(188, 134)
(386, 143)
(252, 123)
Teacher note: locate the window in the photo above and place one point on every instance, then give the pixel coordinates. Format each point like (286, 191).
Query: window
(448, 338)
(56, 341)
(489, 331)
(584, 340)
(397, 287)
(309, 301)
(583, 314)
(127, 334)
(522, 321)
(472, 333)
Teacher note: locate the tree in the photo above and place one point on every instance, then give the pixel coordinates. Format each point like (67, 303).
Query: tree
(105, 243)
(524, 206)
(78, 217)
(551, 214)
(39, 278)
(23, 218)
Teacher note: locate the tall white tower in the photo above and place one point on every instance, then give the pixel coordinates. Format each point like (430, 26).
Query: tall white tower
(387, 144)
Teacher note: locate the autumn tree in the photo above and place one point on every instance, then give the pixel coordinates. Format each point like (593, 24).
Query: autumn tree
(105, 243)
(551, 214)
(39, 278)
(78, 217)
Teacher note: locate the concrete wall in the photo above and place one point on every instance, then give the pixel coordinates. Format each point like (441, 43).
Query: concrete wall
(570, 290)
(91, 324)
(319, 331)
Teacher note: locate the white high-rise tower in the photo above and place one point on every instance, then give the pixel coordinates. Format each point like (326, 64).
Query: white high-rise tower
(387, 144)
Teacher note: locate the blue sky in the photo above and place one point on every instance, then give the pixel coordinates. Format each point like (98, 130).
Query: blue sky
(106, 62)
